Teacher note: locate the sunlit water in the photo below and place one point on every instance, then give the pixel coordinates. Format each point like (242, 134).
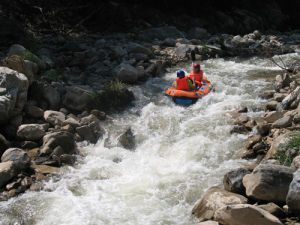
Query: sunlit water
(180, 152)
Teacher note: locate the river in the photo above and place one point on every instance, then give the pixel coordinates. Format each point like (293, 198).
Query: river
(180, 152)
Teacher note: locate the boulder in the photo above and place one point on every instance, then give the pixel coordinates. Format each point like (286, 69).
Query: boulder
(16, 49)
(273, 209)
(44, 169)
(271, 117)
(283, 122)
(268, 182)
(233, 180)
(32, 132)
(16, 63)
(63, 139)
(19, 157)
(293, 196)
(77, 97)
(137, 48)
(127, 139)
(263, 128)
(54, 117)
(90, 132)
(213, 199)
(13, 93)
(127, 73)
(7, 172)
(252, 140)
(245, 214)
(276, 144)
(271, 105)
(72, 122)
(34, 111)
(288, 100)
(52, 96)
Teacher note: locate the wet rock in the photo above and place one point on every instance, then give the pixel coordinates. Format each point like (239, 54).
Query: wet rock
(250, 124)
(245, 214)
(271, 117)
(233, 180)
(7, 172)
(273, 209)
(32, 132)
(60, 138)
(234, 114)
(127, 73)
(279, 96)
(28, 144)
(268, 183)
(67, 159)
(239, 129)
(72, 122)
(34, 111)
(242, 119)
(36, 187)
(13, 93)
(244, 109)
(77, 97)
(52, 96)
(293, 196)
(283, 122)
(127, 139)
(99, 114)
(271, 105)
(263, 128)
(268, 94)
(253, 140)
(54, 117)
(44, 169)
(19, 157)
(213, 199)
(90, 132)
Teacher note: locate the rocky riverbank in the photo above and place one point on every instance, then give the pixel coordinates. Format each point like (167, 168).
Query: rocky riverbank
(61, 92)
(267, 191)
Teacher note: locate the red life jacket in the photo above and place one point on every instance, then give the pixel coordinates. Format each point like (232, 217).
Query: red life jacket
(198, 76)
(182, 84)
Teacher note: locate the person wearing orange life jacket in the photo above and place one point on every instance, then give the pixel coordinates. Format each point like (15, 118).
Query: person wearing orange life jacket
(183, 83)
(197, 75)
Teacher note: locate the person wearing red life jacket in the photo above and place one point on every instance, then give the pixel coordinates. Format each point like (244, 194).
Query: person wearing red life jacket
(183, 83)
(197, 75)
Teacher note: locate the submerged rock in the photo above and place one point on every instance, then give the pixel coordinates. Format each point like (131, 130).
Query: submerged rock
(127, 139)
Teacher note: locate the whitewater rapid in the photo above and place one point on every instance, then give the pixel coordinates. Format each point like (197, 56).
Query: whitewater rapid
(180, 152)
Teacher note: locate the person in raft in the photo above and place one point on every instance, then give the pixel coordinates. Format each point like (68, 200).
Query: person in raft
(183, 83)
(197, 75)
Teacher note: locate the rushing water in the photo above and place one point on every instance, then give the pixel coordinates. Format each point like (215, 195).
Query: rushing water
(180, 152)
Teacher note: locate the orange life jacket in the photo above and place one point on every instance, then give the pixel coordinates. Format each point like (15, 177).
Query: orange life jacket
(198, 76)
(182, 84)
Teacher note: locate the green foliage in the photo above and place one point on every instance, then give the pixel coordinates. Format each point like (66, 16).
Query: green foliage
(28, 55)
(117, 86)
(288, 150)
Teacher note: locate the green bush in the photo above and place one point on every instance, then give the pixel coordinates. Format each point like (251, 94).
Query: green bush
(28, 55)
(288, 150)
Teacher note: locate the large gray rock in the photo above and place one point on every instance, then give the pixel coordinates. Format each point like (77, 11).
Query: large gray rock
(32, 132)
(127, 139)
(90, 129)
(283, 122)
(293, 196)
(288, 100)
(127, 73)
(268, 182)
(7, 172)
(52, 96)
(137, 48)
(54, 117)
(213, 199)
(245, 214)
(19, 157)
(160, 33)
(233, 180)
(77, 97)
(271, 117)
(13, 93)
(62, 139)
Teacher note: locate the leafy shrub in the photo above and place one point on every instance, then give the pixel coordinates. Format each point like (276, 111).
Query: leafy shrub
(288, 150)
